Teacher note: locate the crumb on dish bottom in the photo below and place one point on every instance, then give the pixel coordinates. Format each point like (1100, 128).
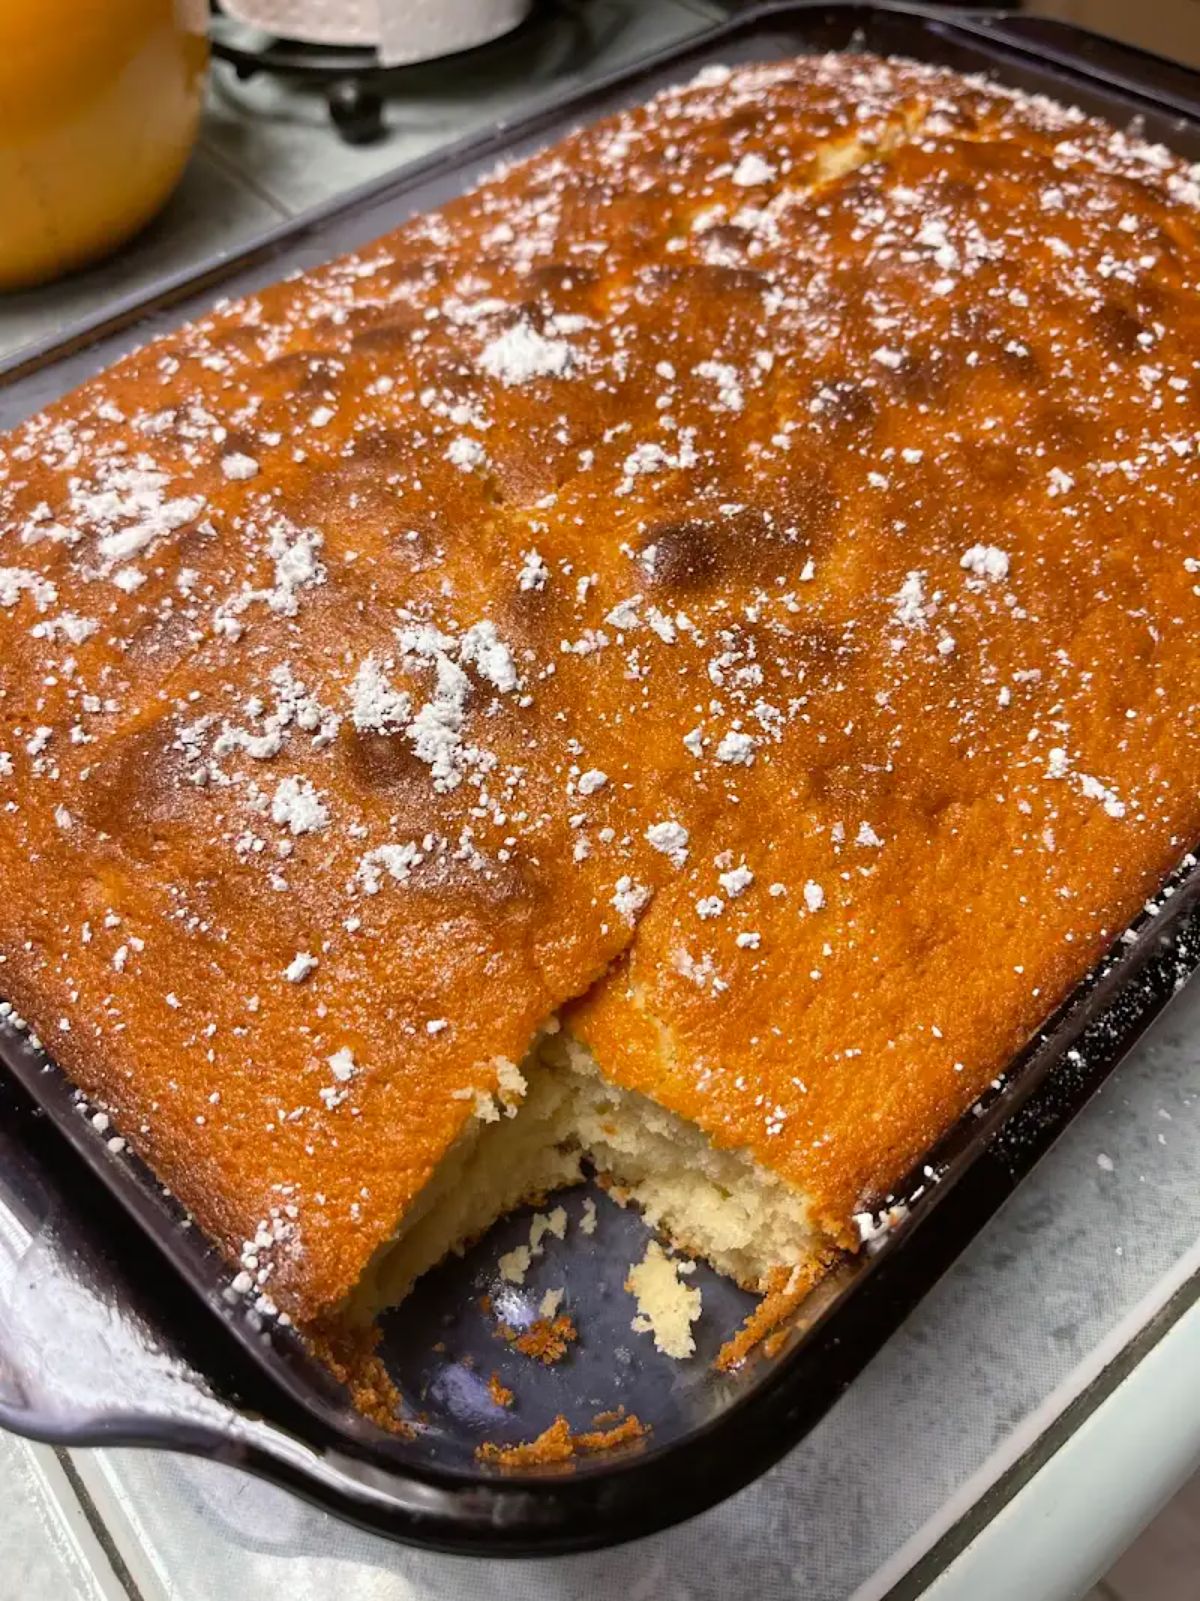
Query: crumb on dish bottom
(556, 1112)
(545, 1340)
(557, 1444)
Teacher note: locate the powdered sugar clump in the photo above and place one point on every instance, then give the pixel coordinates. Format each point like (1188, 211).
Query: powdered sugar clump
(910, 602)
(752, 170)
(671, 839)
(465, 453)
(520, 354)
(737, 749)
(436, 730)
(297, 807)
(985, 561)
(534, 572)
(342, 1065)
(132, 509)
(736, 882)
(397, 861)
(630, 898)
(300, 966)
(294, 553)
(483, 648)
(375, 706)
(729, 388)
(16, 581)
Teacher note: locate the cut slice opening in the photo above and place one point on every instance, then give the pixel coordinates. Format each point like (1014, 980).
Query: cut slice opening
(555, 1114)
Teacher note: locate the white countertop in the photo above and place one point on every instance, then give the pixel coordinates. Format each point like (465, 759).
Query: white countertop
(1008, 1442)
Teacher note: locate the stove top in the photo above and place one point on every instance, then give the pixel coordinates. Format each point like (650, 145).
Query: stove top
(557, 38)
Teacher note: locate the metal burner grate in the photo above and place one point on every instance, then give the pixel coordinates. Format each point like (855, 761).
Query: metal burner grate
(355, 84)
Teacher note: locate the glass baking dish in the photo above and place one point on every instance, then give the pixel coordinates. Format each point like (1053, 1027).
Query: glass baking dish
(116, 1325)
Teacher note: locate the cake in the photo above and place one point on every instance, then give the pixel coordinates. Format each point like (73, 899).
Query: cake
(673, 664)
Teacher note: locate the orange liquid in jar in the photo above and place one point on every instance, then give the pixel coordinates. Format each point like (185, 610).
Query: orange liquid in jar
(99, 103)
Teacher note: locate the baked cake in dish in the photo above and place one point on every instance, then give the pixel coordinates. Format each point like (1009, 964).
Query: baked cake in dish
(678, 661)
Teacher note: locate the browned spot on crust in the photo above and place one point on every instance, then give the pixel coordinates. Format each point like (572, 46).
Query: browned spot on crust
(701, 554)
(1119, 330)
(384, 761)
(140, 782)
(843, 403)
(717, 280)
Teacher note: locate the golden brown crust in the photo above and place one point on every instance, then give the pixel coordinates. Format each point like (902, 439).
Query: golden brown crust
(684, 428)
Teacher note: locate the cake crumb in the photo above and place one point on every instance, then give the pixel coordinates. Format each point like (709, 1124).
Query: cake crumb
(784, 1292)
(351, 1355)
(514, 1264)
(544, 1223)
(630, 1428)
(555, 1444)
(510, 1085)
(587, 1223)
(605, 1419)
(667, 1308)
(558, 1444)
(545, 1340)
(499, 1391)
(550, 1303)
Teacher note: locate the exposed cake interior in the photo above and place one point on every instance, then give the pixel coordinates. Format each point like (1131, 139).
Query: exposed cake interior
(553, 1114)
